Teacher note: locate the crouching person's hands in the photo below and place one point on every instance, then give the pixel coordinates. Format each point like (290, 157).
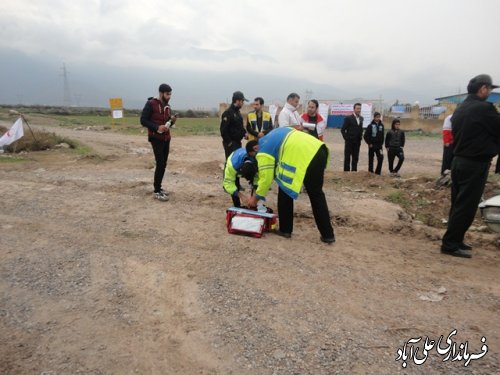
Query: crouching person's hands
(252, 201)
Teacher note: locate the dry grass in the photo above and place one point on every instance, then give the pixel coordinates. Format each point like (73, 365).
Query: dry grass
(36, 141)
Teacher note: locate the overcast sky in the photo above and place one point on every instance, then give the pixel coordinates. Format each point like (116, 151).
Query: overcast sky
(207, 49)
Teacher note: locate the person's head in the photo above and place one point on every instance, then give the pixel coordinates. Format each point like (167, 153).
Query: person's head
(376, 117)
(257, 104)
(165, 92)
(396, 123)
(248, 170)
(312, 107)
(252, 148)
(481, 85)
(238, 99)
(357, 109)
(293, 99)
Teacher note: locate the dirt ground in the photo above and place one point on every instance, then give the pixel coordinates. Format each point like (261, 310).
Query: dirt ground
(98, 278)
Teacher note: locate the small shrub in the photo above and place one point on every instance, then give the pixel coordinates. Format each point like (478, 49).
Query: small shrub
(37, 141)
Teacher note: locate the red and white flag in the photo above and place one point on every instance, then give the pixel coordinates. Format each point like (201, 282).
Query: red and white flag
(13, 134)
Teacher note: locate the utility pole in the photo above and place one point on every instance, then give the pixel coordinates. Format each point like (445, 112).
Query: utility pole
(307, 97)
(78, 98)
(66, 92)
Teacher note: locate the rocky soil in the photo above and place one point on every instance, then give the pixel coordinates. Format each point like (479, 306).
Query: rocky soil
(98, 278)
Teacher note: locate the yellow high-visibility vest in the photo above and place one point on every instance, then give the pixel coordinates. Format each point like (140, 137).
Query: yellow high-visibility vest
(285, 155)
(252, 120)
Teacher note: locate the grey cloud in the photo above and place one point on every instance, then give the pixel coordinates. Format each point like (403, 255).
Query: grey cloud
(204, 54)
(341, 58)
(294, 42)
(107, 7)
(33, 81)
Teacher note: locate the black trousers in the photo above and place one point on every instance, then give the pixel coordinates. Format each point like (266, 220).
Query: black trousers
(447, 158)
(313, 182)
(468, 180)
(351, 155)
(391, 155)
(497, 166)
(228, 150)
(372, 151)
(161, 150)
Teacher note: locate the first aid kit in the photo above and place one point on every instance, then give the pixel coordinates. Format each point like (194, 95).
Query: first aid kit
(249, 222)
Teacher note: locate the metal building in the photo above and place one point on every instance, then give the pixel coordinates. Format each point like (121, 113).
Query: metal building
(459, 98)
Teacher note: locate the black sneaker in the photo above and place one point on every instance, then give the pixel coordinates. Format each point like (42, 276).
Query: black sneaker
(465, 246)
(282, 234)
(457, 252)
(328, 240)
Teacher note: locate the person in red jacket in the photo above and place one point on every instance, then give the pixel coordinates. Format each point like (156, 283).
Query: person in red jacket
(447, 145)
(313, 117)
(156, 117)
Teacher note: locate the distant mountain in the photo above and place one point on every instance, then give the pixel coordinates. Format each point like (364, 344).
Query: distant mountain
(34, 80)
(39, 80)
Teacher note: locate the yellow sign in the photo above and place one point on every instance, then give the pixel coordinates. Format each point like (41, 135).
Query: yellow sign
(116, 103)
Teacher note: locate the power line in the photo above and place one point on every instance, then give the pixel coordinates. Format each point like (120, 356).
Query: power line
(66, 91)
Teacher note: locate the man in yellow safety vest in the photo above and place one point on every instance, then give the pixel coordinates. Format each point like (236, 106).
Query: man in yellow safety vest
(293, 158)
(259, 122)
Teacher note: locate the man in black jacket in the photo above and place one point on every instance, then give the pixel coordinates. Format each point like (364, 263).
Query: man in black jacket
(352, 131)
(231, 126)
(374, 138)
(476, 135)
(394, 143)
(157, 118)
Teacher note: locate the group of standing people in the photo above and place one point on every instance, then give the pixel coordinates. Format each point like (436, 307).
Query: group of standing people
(290, 153)
(294, 154)
(394, 141)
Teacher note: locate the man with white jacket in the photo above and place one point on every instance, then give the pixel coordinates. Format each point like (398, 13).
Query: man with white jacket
(289, 115)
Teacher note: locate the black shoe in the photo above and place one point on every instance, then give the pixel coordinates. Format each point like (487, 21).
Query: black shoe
(465, 246)
(282, 234)
(457, 252)
(327, 239)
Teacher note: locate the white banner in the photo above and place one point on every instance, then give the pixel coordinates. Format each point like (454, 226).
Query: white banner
(366, 112)
(323, 111)
(13, 134)
(347, 110)
(341, 109)
(272, 110)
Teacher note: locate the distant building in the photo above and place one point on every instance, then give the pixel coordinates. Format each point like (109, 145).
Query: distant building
(459, 98)
(451, 102)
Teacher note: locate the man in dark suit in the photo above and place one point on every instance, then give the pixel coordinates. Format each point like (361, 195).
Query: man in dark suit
(476, 133)
(352, 131)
